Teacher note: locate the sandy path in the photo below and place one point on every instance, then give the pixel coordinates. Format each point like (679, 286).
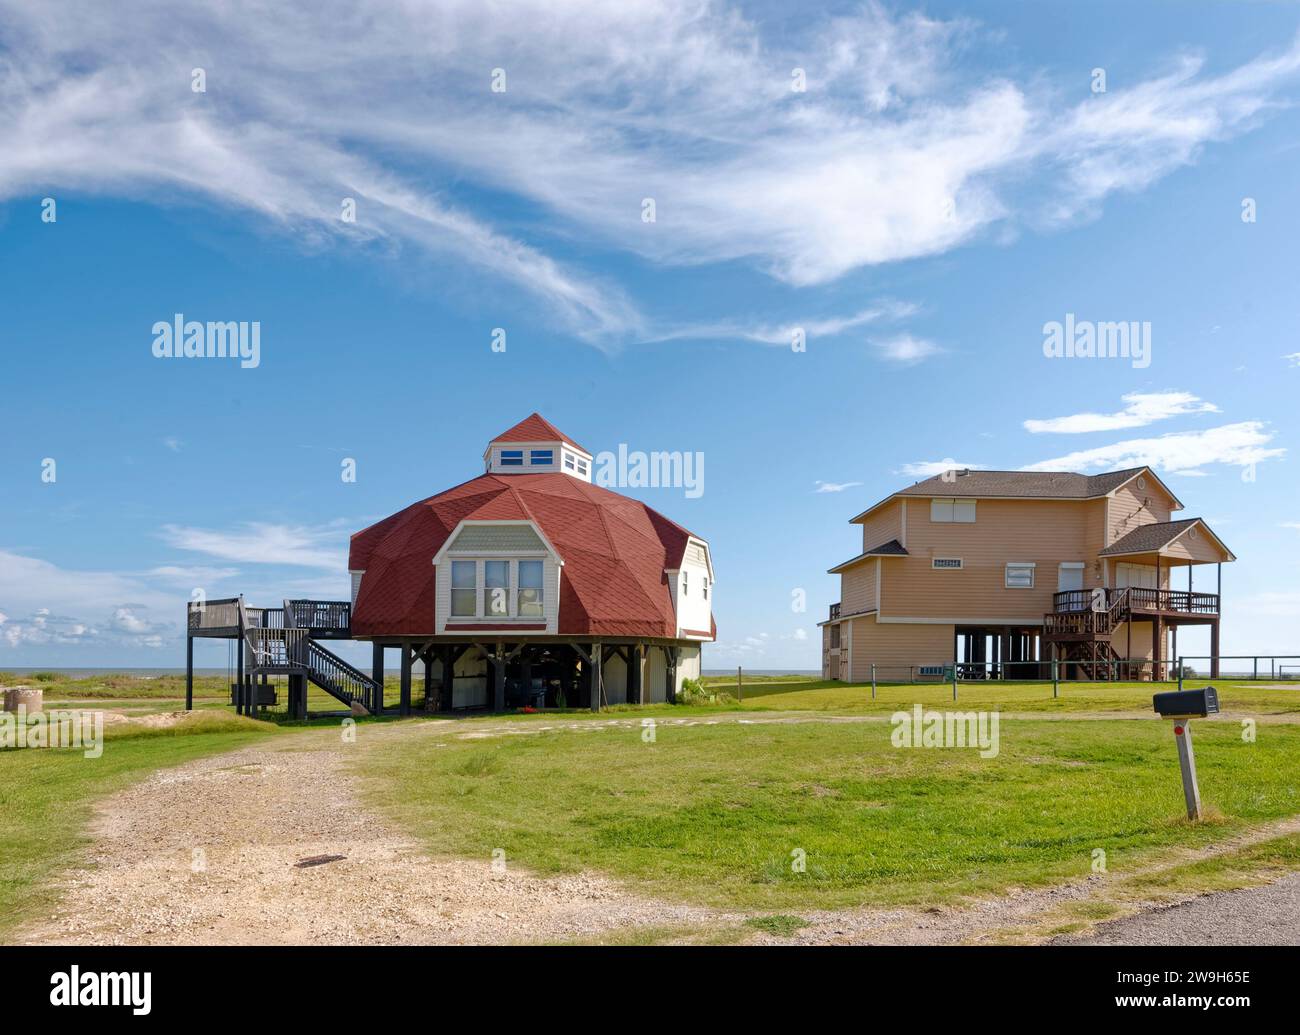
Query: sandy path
(256, 812)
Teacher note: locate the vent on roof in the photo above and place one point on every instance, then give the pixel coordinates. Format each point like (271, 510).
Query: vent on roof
(1142, 482)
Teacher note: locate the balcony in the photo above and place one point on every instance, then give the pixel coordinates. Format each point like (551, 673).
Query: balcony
(1171, 602)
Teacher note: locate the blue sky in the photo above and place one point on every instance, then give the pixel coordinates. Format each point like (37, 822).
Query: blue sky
(947, 183)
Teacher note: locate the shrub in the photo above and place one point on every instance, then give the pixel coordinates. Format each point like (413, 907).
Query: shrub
(695, 693)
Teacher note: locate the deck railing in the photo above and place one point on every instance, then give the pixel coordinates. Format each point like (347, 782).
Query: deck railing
(835, 612)
(277, 648)
(318, 614)
(1139, 599)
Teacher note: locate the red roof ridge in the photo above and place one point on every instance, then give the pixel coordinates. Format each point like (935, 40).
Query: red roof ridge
(536, 428)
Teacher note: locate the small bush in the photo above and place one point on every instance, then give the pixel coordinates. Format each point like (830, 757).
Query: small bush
(695, 693)
(45, 677)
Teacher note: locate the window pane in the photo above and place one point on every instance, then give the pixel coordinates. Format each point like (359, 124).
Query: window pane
(530, 589)
(568, 461)
(512, 458)
(541, 456)
(496, 588)
(963, 510)
(941, 510)
(464, 585)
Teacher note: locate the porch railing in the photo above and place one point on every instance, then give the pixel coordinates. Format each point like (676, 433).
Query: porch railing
(1139, 599)
(835, 612)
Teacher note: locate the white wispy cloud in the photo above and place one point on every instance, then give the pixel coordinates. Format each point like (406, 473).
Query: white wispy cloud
(930, 468)
(1183, 452)
(256, 542)
(173, 443)
(902, 149)
(906, 349)
(835, 486)
(783, 334)
(1141, 409)
(1293, 358)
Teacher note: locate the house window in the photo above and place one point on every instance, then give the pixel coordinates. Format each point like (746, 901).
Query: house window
(512, 458)
(949, 563)
(952, 510)
(706, 587)
(835, 637)
(530, 589)
(541, 457)
(496, 588)
(1020, 576)
(686, 589)
(582, 465)
(568, 462)
(464, 588)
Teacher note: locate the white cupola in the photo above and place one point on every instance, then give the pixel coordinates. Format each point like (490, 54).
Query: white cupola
(536, 446)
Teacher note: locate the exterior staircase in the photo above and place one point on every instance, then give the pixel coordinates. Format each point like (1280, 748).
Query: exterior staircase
(1081, 627)
(285, 642)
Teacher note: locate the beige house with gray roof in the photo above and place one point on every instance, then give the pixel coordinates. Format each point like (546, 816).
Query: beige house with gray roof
(999, 572)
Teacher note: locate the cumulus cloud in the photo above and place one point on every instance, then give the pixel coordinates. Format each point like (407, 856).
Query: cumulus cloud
(1141, 409)
(901, 148)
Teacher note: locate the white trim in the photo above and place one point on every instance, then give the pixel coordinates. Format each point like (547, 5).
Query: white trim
(981, 620)
(903, 528)
(848, 671)
(878, 600)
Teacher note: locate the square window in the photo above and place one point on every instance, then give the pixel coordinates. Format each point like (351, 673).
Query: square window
(568, 461)
(464, 588)
(1020, 576)
(541, 457)
(512, 458)
(530, 589)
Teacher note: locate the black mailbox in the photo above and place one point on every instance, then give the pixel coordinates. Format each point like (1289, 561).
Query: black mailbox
(1187, 704)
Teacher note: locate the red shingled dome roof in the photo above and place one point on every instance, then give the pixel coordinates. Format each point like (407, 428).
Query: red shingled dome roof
(614, 550)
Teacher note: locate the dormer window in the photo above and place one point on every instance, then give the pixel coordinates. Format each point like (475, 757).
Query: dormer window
(512, 458)
(541, 457)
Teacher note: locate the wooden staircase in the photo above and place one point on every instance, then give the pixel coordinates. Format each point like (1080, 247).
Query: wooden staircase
(285, 647)
(1081, 634)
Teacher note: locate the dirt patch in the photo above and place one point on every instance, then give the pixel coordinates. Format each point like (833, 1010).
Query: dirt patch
(207, 853)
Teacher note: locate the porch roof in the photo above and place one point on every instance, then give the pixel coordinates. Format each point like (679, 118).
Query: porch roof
(1159, 535)
(893, 548)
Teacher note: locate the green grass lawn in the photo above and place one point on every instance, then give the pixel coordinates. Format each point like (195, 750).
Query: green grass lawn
(802, 693)
(47, 796)
(713, 812)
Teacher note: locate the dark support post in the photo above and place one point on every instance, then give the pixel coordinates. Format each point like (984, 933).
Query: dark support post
(297, 696)
(597, 679)
(404, 705)
(1214, 650)
(427, 658)
(239, 674)
(189, 673)
(635, 655)
(377, 674)
(499, 678)
(670, 670)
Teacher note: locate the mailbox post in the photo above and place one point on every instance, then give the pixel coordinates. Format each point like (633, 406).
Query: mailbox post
(1182, 706)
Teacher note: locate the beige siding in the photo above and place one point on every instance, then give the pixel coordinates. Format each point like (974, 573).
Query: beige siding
(1045, 532)
(1131, 507)
(858, 587)
(894, 647)
(882, 526)
(1197, 547)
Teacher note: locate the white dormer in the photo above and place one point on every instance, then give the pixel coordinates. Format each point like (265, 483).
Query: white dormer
(535, 446)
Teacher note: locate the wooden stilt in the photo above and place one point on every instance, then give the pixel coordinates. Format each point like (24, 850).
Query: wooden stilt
(377, 674)
(189, 673)
(404, 702)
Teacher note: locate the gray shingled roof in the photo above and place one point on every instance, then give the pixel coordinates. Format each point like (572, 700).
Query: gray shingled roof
(1030, 484)
(1149, 538)
(1022, 485)
(893, 548)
